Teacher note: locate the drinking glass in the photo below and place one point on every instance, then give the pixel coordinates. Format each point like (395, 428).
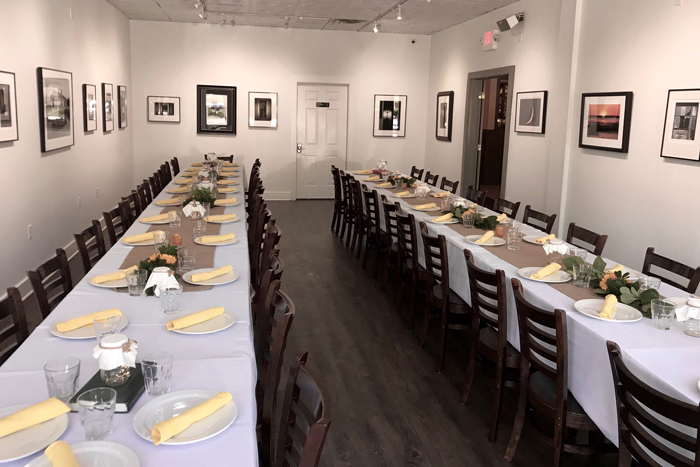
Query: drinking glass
(648, 282)
(96, 408)
(183, 198)
(174, 218)
(207, 207)
(468, 219)
(580, 252)
(200, 227)
(177, 239)
(500, 230)
(136, 281)
(582, 275)
(514, 237)
(662, 313)
(62, 377)
(186, 260)
(160, 239)
(157, 370)
(170, 298)
(109, 325)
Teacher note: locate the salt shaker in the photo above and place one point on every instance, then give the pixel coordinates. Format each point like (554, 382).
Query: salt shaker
(116, 355)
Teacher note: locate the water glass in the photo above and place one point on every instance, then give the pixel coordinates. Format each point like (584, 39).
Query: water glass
(207, 207)
(108, 326)
(582, 275)
(160, 239)
(468, 219)
(200, 227)
(174, 219)
(662, 313)
(514, 237)
(62, 377)
(136, 281)
(186, 260)
(157, 368)
(170, 298)
(183, 198)
(580, 252)
(96, 408)
(648, 282)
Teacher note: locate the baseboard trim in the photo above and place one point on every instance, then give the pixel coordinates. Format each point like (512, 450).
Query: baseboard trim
(278, 195)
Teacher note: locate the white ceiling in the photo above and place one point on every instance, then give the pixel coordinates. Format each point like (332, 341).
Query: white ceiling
(419, 16)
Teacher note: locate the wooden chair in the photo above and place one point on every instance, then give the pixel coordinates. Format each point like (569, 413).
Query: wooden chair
(455, 314)
(588, 237)
(431, 179)
(361, 222)
(547, 221)
(489, 328)
(506, 207)
(392, 234)
(158, 183)
(635, 402)
(228, 159)
(91, 245)
(127, 214)
(144, 193)
(116, 225)
(476, 196)
(271, 239)
(155, 186)
(51, 282)
(674, 267)
(348, 210)
(413, 275)
(13, 322)
(377, 240)
(306, 417)
(338, 204)
(168, 172)
(544, 382)
(416, 173)
(271, 274)
(176, 166)
(134, 206)
(445, 184)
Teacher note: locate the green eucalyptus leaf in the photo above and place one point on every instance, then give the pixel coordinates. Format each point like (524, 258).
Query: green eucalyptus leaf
(599, 264)
(648, 295)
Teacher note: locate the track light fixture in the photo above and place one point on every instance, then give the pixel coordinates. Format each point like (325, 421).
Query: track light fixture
(398, 15)
(232, 22)
(198, 4)
(223, 20)
(377, 27)
(286, 22)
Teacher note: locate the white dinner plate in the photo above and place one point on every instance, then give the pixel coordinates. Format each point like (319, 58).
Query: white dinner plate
(166, 221)
(436, 208)
(111, 284)
(143, 243)
(412, 195)
(623, 313)
(228, 183)
(86, 332)
(96, 453)
(235, 219)
(221, 280)
(556, 278)
(174, 403)
(227, 205)
(30, 440)
(454, 220)
(532, 238)
(227, 242)
(493, 241)
(221, 322)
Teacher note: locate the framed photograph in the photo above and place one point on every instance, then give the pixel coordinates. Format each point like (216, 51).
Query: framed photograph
(216, 109)
(531, 112)
(163, 109)
(8, 108)
(55, 108)
(390, 115)
(121, 94)
(443, 124)
(262, 109)
(107, 107)
(89, 107)
(605, 121)
(680, 138)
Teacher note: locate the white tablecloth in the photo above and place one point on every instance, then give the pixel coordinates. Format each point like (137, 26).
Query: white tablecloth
(223, 361)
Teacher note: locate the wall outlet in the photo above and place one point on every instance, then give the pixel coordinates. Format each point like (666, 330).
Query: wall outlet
(29, 232)
(79, 204)
(97, 193)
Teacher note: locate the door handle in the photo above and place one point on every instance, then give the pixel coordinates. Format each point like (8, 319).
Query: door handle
(299, 148)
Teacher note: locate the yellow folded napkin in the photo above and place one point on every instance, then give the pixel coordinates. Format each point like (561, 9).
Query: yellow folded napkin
(220, 218)
(228, 182)
(485, 238)
(617, 267)
(139, 238)
(608, 308)
(546, 271)
(225, 202)
(441, 195)
(230, 169)
(198, 164)
(373, 178)
(231, 189)
(444, 218)
(32, 415)
(60, 455)
(384, 185)
(501, 218)
(426, 206)
(168, 202)
(195, 318)
(165, 430)
(205, 276)
(544, 239)
(363, 171)
(158, 218)
(403, 193)
(182, 189)
(115, 276)
(86, 320)
(216, 238)
(230, 164)
(183, 181)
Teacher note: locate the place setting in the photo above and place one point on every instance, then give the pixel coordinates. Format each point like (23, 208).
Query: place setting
(227, 202)
(222, 218)
(159, 219)
(551, 274)
(211, 276)
(207, 321)
(488, 239)
(145, 239)
(90, 326)
(216, 240)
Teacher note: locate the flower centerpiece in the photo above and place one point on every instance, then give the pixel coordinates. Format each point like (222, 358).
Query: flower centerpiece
(403, 182)
(459, 210)
(166, 257)
(202, 195)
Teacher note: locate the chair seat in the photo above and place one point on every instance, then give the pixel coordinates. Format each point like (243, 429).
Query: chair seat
(489, 337)
(453, 297)
(545, 389)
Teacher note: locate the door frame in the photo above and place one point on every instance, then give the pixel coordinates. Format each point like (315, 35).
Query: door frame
(472, 123)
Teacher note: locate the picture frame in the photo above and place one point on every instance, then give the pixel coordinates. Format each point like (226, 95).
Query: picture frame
(107, 107)
(216, 109)
(262, 109)
(443, 117)
(606, 118)
(9, 130)
(89, 107)
(163, 109)
(390, 115)
(121, 106)
(680, 138)
(531, 112)
(55, 108)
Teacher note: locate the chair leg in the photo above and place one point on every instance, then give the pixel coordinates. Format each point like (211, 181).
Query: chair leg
(398, 300)
(342, 230)
(426, 323)
(377, 261)
(355, 234)
(414, 290)
(470, 372)
(443, 342)
(335, 218)
(341, 219)
(625, 457)
(351, 228)
(519, 413)
(385, 278)
(496, 404)
(367, 248)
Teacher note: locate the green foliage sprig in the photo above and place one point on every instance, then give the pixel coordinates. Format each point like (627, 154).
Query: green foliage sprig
(399, 180)
(201, 195)
(480, 222)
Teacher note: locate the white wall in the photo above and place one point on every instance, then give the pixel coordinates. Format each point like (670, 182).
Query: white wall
(42, 189)
(171, 59)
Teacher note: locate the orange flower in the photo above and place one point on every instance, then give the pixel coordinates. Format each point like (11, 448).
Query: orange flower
(153, 257)
(604, 281)
(169, 259)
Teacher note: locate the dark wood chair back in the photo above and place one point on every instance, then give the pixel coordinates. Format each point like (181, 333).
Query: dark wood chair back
(51, 282)
(445, 184)
(144, 195)
(257, 163)
(306, 417)
(345, 181)
(263, 220)
(674, 267)
(147, 192)
(593, 242)
(476, 196)
(13, 324)
(546, 222)
(155, 187)
(228, 159)
(407, 237)
(506, 207)
(337, 188)
(371, 199)
(417, 173)
(436, 263)
(391, 225)
(91, 245)
(126, 213)
(431, 179)
(273, 273)
(488, 294)
(133, 205)
(273, 235)
(158, 183)
(115, 225)
(357, 203)
(176, 165)
(168, 171)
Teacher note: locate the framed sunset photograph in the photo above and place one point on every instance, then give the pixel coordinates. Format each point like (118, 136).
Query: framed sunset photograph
(606, 118)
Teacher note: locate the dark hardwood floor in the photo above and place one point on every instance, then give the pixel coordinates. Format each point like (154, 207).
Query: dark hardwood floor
(389, 407)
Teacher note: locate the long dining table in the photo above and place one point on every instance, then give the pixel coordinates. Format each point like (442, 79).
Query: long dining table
(222, 361)
(666, 360)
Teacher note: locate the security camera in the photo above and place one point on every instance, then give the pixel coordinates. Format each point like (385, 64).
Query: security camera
(510, 22)
(413, 41)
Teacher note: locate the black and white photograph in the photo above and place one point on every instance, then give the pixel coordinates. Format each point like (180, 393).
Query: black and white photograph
(262, 109)
(121, 91)
(443, 124)
(163, 109)
(606, 118)
(390, 115)
(680, 137)
(8, 107)
(107, 107)
(55, 107)
(216, 109)
(89, 107)
(531, 112)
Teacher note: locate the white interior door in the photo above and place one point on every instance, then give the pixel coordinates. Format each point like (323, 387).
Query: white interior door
(322, 132)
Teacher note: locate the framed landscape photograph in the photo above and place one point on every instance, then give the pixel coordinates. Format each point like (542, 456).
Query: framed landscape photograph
(262, 109)
(531, 112)
(216, 109)
(390, 115)
(107, 107)
(443, 124)
(8, 107)
(89, 107)
(605, 121)
(55, 108)
(680, 137)
(163, 109)
(121, 94)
